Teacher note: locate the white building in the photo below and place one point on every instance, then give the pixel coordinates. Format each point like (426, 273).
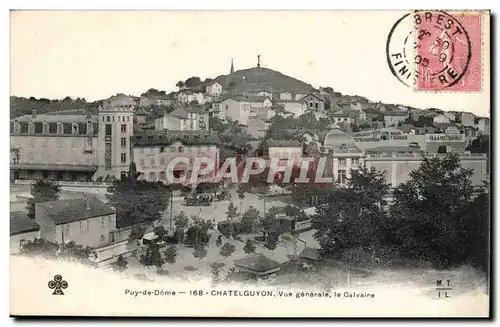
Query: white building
(181, 119)
(234, 108)
(213, 89)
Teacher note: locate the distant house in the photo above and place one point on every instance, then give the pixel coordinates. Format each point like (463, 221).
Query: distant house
(297, 108)
(483, 125)
(392, 118)
(166, 101)
(213, 89)
(438, 118)
(182, 119)
(259, 101)
(298, 96)
(87, 221)
(261, 93)
(466, 118)
(314, 102)
(285, 96)
(22, 229)
(348, 116)
(234, 108)
(186, 96)
(284, 149)
(146, 101)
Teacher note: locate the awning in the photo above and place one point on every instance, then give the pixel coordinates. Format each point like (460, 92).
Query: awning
(53, 167)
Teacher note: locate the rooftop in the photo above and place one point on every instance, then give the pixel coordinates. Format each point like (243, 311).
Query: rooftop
(257, 263)
(309, 253)
(21, 223)
(166, 137)
(284, 143)
(183, 112)
(67, 211)
(393, 149)
(83, 118)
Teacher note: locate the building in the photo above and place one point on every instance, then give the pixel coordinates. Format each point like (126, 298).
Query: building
(483, 125)
(234, 108)
(285, 96)
(59, 147)
(22, 229)
(296, 107)
(116, 126)
(284, 149)
(440, 118)
(466, 118)
(259, 102)
(263, 93)
(213, 89)
(348, 116)
(154, 150)
(398, 162)
(392, 118)
(186, 97)
(343, 153)
(184, 119)
(313, 102)
(165, 101)
(86, 221)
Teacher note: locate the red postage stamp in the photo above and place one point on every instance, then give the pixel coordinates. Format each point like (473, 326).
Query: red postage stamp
(437, 51)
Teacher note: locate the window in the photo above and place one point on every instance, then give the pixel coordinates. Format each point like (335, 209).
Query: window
(342, 162)
(82, 128)
(67, 128)
(128, 118)
(108, 129)
(141, 163)
(162, 175)
(38, 128)
(119, 118)
(152, 176)
(123, 157)
(181, 148)
(102, 222)
(311, 104)
(162, 149)
(124, 128)
(23, 127)
(53, 128)
(113, 118)
(89, 142)
(123, 142)
(316, 105)
(355, 161)
(102, 238)
(152, 162)
(103, 118)
(108, 118)
(342, 178)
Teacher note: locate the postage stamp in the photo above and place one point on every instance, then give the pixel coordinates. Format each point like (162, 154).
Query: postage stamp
(437, 51)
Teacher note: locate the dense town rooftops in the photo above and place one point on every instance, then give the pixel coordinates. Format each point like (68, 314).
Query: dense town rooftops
(67, 211)
(56, 118)
(393, 113)
(166, 137)
(391, 149)
(183, 113)
(256, 98)
(21, 223)
(283, 143)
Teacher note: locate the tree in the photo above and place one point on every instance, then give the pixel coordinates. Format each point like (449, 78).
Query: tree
(171, 254)
(75, 252)
(272, 241)
(200, 252)
(192, 82)
(152, 257)
(42, 191)
(350, 217)
(232, 211)
(136, 233)
(137, 201)
(120, 264)
(216, 268)
(249, 220)
(180, 84)
(181, 220)
(197, 234)
(40, 247)
(227, 249)
(249, 247)
(160, 233)
(435, 214)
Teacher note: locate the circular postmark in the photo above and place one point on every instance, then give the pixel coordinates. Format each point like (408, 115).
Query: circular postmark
(428, 50)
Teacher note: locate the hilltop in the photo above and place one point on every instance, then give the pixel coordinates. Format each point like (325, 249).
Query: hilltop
(259, 78)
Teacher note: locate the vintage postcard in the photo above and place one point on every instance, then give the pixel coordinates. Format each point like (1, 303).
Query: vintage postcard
(250, 163)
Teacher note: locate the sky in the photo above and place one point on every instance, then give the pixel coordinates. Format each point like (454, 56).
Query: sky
(95, 54)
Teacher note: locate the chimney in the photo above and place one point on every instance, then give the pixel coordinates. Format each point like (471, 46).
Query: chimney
(33, 113)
